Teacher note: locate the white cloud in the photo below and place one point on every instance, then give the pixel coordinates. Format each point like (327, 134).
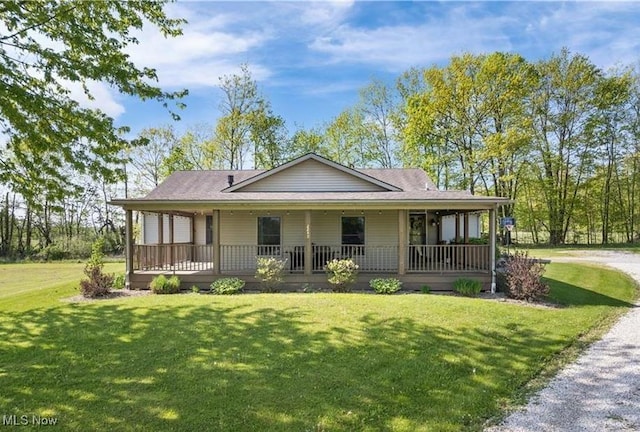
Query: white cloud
(328, 13)
(607, 32)
(205, 51)
(398, 47)
(104, 98)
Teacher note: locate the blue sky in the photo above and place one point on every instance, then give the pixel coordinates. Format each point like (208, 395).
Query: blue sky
(310, 59)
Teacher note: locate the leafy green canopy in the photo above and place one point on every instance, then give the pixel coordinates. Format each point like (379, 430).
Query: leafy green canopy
(44, 48)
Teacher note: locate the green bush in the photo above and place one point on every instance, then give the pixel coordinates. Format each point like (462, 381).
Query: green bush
(195, 289)
(119, 281)
(385, 286)
(478, 241)
(53, 252)
(98, 283)
(425, 289)
(163, 285)
(230, 285)
(341, 274)
(270, 273)
(467, 287)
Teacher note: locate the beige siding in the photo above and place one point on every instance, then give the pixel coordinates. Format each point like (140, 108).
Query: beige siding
(293, 229)
(200, 234)
(238, 228)
(381, 235)
(381, 229)
(325, 227)
(311, 176)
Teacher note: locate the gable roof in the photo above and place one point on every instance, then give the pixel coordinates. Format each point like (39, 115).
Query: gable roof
(340, 169)
(404, 187)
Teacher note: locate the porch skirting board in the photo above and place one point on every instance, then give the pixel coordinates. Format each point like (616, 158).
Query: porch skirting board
(298, 282)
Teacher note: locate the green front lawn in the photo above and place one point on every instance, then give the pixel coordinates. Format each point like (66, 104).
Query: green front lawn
(287, 362)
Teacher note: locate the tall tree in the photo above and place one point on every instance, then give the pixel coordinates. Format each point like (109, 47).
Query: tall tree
(196, 149)
(607, 134)
(147, 160)
(346, 140)
(467, 121)
(269, 136)
(239, 103)
(45, 47)
(378, 104)
(306, 141)
(561, 108)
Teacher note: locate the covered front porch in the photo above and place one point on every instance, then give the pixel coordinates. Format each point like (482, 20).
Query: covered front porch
(419, 246)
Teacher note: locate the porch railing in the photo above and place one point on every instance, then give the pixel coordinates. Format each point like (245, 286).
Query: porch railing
(173, 257)
(448, 258)
(241, 259)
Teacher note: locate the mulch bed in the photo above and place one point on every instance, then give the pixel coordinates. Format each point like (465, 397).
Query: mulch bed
(113, 294)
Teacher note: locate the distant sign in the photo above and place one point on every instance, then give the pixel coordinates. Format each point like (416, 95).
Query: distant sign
(507, 221)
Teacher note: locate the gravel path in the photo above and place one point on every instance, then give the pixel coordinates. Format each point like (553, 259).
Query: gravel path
(601, 390)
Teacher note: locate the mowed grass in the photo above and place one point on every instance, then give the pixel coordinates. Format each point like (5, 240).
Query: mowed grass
(288, 362)
(28, 285)
(570, 250)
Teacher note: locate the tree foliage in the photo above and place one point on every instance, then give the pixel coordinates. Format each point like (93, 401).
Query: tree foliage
(45, 49)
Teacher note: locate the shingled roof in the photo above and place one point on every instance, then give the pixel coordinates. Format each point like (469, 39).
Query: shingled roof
(211, 187)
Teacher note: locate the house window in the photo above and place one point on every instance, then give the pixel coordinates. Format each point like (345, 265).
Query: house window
(268, 235)
(352, 235)
(209, 229)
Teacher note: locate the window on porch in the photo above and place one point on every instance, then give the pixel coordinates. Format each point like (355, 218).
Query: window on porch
(268, 235)
(353, 235)
(209, 229)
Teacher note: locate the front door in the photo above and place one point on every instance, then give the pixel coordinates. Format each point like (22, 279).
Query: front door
(417, 240)
(417, 229)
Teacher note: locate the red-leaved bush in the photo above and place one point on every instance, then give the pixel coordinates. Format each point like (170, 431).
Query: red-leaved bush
(524, 278)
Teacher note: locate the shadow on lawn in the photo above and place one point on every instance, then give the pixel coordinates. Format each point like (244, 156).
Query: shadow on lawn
(572, 295)
(216, 367)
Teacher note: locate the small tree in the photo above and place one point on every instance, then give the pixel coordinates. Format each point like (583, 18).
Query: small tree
(270, 273)
(341, 274)
(98, 283)
(523, 277)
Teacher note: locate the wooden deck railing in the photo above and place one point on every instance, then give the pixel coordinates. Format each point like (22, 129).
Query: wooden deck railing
(241, 259)
(178, 257)
(448, 258)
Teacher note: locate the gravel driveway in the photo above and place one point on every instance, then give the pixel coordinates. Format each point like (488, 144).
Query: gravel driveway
(601, 390)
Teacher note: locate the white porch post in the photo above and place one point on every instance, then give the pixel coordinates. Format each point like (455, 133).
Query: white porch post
(128, 226)
(492, 247)
(402, 241)
(215, 227)
(308, 250)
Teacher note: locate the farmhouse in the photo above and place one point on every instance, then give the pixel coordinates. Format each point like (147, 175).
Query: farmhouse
(203, 225)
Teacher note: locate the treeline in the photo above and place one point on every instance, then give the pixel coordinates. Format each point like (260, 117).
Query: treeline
(560, 137)
(53, 229)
